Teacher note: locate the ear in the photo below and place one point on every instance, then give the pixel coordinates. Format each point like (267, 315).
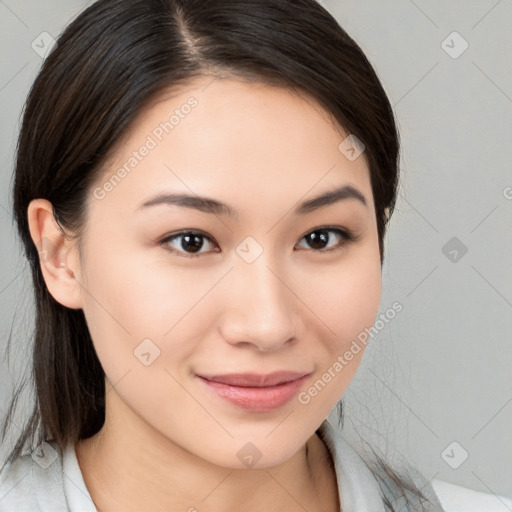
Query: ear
(58, 256)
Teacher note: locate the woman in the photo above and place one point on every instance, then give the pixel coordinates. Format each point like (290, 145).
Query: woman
(202, 189)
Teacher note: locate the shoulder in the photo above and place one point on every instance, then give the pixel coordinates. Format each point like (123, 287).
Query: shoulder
(370, 483)
(456, 498)
(33, 481)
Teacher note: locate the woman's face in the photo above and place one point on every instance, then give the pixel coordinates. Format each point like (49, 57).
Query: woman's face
(247, 292)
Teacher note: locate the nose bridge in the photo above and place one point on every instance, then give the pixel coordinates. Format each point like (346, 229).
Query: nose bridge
(264, 312)
(263, 283)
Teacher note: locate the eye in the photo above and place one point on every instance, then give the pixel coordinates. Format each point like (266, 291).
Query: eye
(191, 240)
(318, 238)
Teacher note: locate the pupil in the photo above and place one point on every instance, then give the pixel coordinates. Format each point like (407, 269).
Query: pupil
(193, 242)
(314, 239)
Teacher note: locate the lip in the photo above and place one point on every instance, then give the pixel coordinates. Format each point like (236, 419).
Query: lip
(254, 379)
(256, 393)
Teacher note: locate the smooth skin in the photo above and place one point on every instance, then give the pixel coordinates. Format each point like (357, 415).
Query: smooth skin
(168, 443)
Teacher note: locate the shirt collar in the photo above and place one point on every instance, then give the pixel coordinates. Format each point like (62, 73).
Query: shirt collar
(358, 489)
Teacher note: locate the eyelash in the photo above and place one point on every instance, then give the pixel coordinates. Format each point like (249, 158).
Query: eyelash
(347, 236)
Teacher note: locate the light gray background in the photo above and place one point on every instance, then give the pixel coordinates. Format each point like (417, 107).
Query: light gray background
(439, 372)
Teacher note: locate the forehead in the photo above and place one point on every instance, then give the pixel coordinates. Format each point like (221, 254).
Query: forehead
(247, 144)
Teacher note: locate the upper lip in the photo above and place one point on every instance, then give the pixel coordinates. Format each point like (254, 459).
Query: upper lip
(256, 380)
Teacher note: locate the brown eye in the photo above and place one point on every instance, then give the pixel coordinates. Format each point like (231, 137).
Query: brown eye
(320, 238)
(192, 241)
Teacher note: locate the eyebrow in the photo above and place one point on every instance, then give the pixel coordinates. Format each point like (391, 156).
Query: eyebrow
(209, 205)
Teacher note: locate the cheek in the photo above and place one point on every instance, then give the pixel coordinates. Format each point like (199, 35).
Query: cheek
(128, 300)
(347, 303)
(346, 299)
(358, 300)
(145, 297)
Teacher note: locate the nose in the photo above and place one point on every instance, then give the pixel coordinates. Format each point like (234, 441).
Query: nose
(260, 308)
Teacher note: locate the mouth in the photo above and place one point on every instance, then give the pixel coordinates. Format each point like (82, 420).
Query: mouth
(256, 393)
(256, 380)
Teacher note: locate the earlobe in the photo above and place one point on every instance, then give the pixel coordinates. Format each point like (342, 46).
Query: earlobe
(57, 254)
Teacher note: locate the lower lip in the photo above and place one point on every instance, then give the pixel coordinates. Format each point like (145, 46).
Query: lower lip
(255, 399)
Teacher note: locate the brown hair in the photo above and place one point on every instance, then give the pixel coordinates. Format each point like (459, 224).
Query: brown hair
(106, 67)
